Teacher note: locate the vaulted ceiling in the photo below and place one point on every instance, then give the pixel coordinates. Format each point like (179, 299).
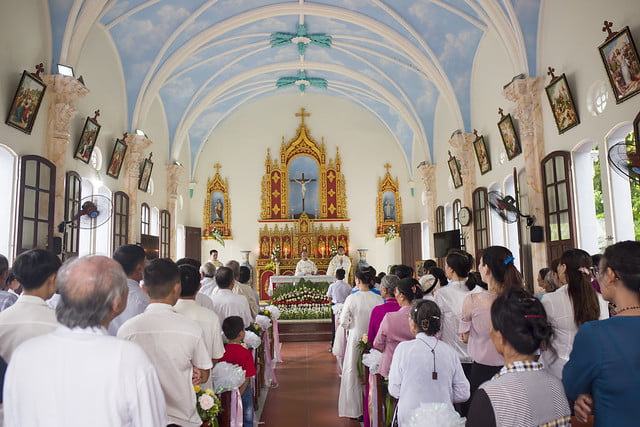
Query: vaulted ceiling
(206, 58)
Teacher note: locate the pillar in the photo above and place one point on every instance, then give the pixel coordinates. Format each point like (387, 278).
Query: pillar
(64, 92)
(525, 94)
(428, 175)
(135, 156)
(174, 173)
(462, 144)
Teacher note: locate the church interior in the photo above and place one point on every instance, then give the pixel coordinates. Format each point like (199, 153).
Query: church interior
(262, 128)
(391, 98)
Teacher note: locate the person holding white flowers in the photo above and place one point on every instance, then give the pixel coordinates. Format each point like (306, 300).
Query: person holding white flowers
(354, 318)
(425, 369)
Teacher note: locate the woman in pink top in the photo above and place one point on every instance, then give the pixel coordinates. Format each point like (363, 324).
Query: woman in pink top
(497, 270)
(395, 326)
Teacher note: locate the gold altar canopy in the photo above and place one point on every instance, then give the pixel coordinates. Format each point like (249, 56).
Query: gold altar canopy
(323, 187)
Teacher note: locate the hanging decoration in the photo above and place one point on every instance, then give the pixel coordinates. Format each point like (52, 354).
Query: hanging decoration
(301, 38)
(302, 81)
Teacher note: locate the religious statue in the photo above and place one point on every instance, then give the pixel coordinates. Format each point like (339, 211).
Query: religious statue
(218, 210)
(339, 261)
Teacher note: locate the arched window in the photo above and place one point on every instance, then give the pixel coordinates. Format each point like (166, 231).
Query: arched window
(481, 220)
(497, 223)
(8, 166)
(440, 219)
(165, 234)
(36, 204)
(145, 219)
(120, 219)
(72, 196)
(457, 205)
(558, 203)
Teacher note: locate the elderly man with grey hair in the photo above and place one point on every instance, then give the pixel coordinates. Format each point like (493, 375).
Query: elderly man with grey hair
(242, 289)
(84, 375)
(207, 282)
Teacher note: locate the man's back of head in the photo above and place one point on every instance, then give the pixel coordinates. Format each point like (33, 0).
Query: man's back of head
(245, 274)
(340, 273)
(189, 261)
(224, 277)
(160, 277)
(189, 279)
(130, 257)
(33, 267)
(4, 270)
(401, 271)
(208, 269)
(235, 267)
(93, 290)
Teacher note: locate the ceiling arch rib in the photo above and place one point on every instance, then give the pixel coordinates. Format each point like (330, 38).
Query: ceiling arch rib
(204, 103)
(157, 74)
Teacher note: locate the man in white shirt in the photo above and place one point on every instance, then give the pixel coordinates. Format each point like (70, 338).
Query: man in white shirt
(305, 266)
(122, 384)
(339, 261)
(207, 319)
(225, 302)
(339, 290)
(174, 343)
(30, 316)
(242, 289)
(132, 259)
(201, 299)
(207, 271)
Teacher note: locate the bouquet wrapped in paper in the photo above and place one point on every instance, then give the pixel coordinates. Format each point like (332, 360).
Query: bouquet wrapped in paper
(436, 415)
(252, 340)
(263, 321)
(372, 360)
(208, 405)
(226, 377)
(275, 311)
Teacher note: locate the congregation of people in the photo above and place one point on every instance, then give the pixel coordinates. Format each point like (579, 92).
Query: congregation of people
(122, 341)
(119, 341)
(475, 338)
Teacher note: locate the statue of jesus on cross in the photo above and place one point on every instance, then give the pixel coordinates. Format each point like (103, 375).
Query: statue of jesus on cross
(303, 186)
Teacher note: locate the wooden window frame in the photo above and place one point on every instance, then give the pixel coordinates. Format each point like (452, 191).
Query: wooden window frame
(120, 219)
(41, 163)
(440, 219)
(555, 248)
(165, 234)
(72, 197)
(480, 228)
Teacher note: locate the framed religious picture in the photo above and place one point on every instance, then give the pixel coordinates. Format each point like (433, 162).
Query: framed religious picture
(87, 139)
(482, 155)
(454, 168)
(562, 105)
(509, 137)
(117, 158)
(26, 102)
(620, 58)
(145, 174)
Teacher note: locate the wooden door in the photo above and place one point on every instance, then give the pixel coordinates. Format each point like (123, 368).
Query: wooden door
(558, 203)
(411, 240)
(192, 245)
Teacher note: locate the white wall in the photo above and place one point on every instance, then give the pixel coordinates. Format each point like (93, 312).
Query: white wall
(364, 148)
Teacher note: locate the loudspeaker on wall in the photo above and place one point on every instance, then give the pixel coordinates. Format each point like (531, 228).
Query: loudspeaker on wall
(536, 234)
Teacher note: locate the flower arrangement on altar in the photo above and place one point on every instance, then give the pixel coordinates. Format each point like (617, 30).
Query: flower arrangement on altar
(215, 233)
(333, 251)
(208, 405)
(275, 254)
(363, 346)
(304, 300)
(390, 233)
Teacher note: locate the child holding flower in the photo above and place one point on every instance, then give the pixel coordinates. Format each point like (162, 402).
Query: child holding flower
(235, 353)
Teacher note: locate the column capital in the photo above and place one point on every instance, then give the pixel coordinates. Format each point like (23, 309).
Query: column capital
(174, 175)
(65, 89)
(462, 144)
(524, 93)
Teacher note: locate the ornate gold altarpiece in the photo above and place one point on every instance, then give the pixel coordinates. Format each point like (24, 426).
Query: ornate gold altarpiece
(294, 233)
(388, 204)
(218, 217)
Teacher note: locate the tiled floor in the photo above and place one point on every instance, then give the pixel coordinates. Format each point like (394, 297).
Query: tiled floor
(307, 395)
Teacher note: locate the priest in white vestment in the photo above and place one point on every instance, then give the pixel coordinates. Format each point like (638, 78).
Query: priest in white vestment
(341, 260)
(305, 266)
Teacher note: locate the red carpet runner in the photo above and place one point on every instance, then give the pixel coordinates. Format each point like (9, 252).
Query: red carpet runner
(308, 392)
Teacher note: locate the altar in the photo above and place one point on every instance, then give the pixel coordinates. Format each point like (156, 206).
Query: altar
(274, 281)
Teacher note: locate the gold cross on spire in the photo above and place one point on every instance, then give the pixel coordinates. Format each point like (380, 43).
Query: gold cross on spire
(387, 166)
(302, 115)
(217, 167)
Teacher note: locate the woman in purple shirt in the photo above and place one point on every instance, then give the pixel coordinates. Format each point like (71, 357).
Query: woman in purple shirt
(388, 286)
(395, 326)
(497, 270)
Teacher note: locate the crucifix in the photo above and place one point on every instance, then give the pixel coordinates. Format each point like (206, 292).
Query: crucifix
(303, 184)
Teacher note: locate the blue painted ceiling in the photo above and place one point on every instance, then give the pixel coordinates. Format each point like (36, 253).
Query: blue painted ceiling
(205, 59)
